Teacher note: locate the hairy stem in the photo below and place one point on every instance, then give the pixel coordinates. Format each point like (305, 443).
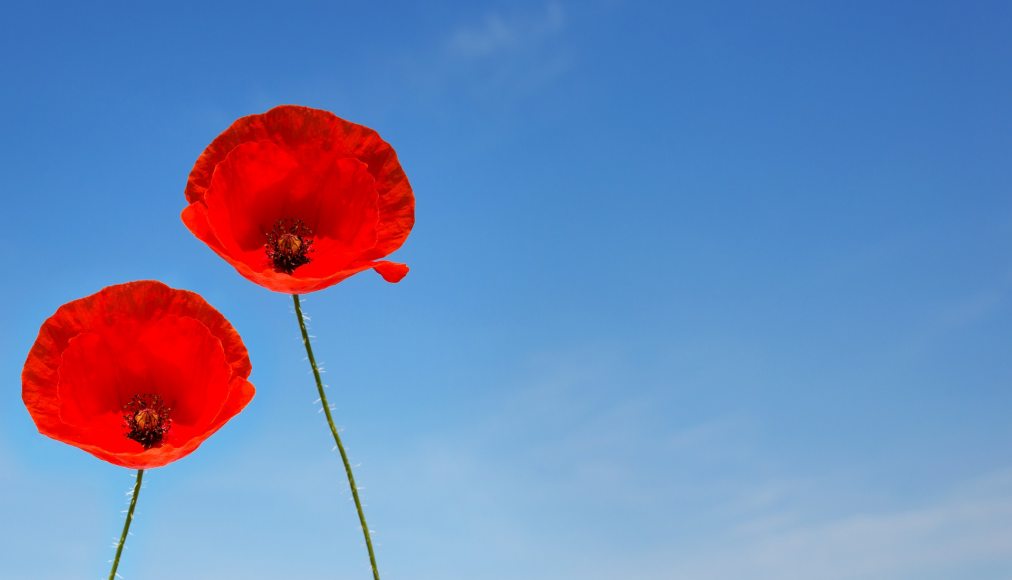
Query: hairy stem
(126, 524)
(337, 437)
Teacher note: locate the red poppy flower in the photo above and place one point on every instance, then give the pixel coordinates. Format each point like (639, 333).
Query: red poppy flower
(138, 374)
(298, 199)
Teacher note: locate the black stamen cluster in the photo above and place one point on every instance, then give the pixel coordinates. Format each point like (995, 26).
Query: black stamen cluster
(147, 419)
(288, 244)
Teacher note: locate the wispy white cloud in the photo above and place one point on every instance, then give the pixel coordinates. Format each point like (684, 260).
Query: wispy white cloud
(498, 33)
(706, 503)
(500, 56)
(958, 315)
(975, 307)
(968, 529)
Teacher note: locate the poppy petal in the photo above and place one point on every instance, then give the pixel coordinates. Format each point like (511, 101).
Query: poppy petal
(391, 271)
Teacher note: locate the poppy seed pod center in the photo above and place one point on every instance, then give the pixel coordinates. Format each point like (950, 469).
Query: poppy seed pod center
(147, 419)
(288, 244)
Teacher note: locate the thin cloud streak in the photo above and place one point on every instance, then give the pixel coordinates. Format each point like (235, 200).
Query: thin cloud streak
(497, 34)
(497, 58)
(970, 529)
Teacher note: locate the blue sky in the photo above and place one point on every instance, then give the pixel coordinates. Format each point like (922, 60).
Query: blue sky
(698, 291)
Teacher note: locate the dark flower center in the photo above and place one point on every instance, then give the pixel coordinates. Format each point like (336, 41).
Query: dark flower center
(147, 419)
(288, 244)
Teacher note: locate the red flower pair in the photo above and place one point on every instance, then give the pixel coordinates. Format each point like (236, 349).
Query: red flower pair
(296, 199)
(140, 374)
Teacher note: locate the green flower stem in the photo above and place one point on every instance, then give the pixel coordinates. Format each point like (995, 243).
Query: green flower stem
(337, 438)
(126, 524)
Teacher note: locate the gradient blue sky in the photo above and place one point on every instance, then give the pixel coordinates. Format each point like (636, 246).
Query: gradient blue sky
(703, 291)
